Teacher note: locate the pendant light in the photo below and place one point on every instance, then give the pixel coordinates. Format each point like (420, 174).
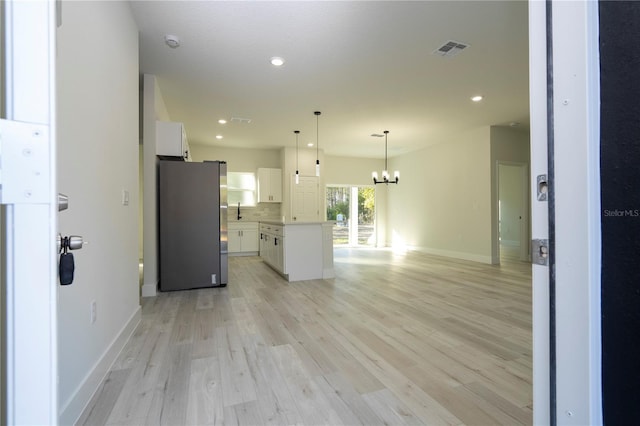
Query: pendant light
(385, 173)
(297, 132)
(317, 113)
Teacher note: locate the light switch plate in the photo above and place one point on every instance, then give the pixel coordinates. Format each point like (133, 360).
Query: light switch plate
(125, 197)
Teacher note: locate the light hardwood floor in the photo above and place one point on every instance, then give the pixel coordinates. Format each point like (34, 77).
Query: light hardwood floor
(394, 339)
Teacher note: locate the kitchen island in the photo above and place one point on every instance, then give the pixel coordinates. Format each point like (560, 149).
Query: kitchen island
(299, 250)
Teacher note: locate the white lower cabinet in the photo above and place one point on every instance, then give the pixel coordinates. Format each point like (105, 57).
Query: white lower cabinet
(243, 238)
(299, 251)
(272, 246)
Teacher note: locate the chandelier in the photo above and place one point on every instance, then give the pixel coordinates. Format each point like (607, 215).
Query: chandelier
(385, 172)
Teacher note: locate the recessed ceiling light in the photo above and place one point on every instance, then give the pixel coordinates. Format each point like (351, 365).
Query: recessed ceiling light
(277, 61)
(222, 121)
(218, 136)
(477, 98)
(172, 41)
(309, 144)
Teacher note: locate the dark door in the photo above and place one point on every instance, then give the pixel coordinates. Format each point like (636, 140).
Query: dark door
(620, 192)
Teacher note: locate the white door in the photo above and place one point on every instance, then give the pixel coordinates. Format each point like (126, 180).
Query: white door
(513, 193)
(566, 301)
(304, 199)
(27, 139)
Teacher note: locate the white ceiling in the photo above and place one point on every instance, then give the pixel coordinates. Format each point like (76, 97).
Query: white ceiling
(366, 65)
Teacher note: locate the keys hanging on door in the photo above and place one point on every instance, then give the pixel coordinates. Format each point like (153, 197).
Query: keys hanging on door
(66, 266)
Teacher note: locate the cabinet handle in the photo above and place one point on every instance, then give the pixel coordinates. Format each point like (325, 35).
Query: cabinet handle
(275, 241)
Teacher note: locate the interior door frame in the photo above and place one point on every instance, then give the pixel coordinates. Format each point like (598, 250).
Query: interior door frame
(31, 221)
(576, 191)
(564, 109)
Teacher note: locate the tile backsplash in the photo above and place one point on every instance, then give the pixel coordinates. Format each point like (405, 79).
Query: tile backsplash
(263, 211)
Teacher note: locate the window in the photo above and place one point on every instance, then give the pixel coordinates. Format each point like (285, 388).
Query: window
(241, 188)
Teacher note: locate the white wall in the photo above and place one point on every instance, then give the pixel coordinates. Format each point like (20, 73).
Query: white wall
(153, 109)
(443, 202)
(238, 159)
(351, 171)
(447, 199)
(97, 84)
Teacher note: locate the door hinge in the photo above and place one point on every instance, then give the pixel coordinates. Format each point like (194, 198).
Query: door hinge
(540, 252)
(24, 163)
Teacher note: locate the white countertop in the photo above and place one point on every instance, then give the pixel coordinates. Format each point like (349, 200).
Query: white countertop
(280, 223)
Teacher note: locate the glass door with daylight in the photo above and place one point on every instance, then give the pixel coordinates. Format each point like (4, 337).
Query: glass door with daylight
(353, 210)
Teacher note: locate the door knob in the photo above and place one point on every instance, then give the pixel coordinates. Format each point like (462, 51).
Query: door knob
(76, 242)
(72, 242)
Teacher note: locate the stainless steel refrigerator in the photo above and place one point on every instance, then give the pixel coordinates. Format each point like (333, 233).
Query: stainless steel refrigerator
(193, 224)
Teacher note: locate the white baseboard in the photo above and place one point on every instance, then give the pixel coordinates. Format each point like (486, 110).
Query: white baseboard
(510, 243)
(245, 253)
(328, 273)
(455, 254)
(149, 290)
(75, 405)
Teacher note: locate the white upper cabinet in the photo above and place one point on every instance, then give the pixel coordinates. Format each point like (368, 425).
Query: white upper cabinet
(171, 140)
(269, 185)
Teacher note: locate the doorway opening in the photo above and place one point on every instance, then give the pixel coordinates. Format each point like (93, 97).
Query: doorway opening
(353, 210)
(513, 212)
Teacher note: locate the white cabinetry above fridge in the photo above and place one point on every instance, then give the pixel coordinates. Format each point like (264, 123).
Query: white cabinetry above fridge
(171, 140)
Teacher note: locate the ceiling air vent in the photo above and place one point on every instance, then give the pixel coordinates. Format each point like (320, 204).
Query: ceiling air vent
(240, 120)
(450, 48)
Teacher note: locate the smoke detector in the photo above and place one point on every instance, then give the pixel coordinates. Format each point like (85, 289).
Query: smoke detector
(450, 48)
(172, 41)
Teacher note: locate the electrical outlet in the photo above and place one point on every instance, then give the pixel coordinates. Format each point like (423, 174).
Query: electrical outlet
(94, 312)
